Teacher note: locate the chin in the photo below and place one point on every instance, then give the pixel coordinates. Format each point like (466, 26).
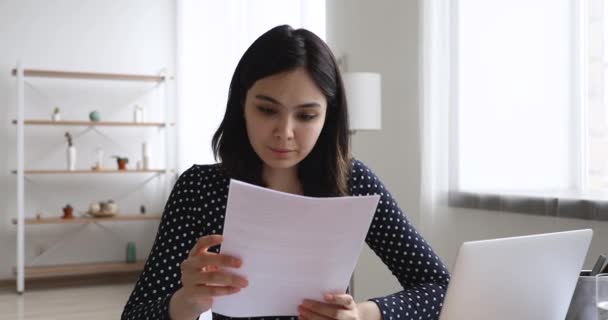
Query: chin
(281, 163)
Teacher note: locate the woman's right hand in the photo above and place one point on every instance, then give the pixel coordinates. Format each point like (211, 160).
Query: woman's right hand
(203, 278)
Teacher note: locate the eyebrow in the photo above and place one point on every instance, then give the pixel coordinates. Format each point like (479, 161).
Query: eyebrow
(273, 100)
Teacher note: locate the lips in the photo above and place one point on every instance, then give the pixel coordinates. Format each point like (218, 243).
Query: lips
(280, 152)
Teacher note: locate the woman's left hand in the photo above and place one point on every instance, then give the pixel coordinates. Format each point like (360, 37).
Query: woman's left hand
(335, 306)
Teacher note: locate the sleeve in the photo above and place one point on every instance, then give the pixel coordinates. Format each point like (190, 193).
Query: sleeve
(177, 233)
(404, 251)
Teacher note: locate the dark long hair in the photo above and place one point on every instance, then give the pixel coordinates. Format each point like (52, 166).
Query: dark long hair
(324, 172)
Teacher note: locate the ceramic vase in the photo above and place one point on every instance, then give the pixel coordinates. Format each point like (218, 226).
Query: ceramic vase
(71, 157)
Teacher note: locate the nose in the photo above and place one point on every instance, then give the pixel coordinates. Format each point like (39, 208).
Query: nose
(283, 129)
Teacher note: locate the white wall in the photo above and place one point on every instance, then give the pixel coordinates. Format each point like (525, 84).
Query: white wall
(383, 36)
(134, 36)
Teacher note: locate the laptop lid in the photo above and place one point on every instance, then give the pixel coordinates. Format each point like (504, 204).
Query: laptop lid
(530, 277)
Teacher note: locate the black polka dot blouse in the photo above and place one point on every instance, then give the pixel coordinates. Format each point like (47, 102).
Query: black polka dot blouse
(196, 208)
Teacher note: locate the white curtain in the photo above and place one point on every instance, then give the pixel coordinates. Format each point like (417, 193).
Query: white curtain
(435, 107)
(211, 37)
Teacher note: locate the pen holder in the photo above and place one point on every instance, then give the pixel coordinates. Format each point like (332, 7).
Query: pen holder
(582, 305)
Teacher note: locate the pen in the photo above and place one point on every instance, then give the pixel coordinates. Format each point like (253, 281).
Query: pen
(598, 265)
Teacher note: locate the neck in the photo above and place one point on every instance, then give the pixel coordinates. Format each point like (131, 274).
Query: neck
(285, 180)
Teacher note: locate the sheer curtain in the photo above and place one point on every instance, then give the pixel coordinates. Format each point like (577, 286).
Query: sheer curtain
(211, 37)
(435, 110)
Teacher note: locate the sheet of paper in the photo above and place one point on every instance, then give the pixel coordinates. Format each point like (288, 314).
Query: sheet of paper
(292, 247)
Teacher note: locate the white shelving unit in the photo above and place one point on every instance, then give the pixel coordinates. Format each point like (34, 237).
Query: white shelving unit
(36, 272)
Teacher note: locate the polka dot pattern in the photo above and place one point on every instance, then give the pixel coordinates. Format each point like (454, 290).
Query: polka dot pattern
(197, 205)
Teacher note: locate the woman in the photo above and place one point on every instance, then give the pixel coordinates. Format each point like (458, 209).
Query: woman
(285, 128)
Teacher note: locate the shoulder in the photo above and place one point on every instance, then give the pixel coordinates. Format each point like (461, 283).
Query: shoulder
(201, 174)
(362, 180)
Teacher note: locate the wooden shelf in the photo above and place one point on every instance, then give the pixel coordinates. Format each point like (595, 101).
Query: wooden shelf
(77, 220)
(103, 171)
(90, 75)
(69, 270)
(93, 124)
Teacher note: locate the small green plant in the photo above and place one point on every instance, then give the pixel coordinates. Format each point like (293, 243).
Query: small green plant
(121, 159)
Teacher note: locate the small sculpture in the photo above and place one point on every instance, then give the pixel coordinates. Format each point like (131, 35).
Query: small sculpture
(142, 209)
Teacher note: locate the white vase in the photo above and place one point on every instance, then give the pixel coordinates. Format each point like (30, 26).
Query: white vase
(138, 114)
(56, 116)
(71, 158)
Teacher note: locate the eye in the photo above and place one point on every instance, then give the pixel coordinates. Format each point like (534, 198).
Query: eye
(266, 110)
(306, 116)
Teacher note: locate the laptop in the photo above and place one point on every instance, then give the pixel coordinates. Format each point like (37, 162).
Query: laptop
(524, 278)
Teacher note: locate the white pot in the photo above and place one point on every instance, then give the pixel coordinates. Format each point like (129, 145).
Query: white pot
(56, 116)
(71, 158)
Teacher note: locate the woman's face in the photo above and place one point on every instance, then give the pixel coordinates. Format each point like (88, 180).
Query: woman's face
(284, 114)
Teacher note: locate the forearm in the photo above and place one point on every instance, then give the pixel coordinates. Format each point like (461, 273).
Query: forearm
(368, 310)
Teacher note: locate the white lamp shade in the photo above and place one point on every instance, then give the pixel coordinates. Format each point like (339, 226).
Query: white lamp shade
(364, 97)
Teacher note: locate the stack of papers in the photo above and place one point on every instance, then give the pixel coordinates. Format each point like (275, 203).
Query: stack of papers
(293, 247)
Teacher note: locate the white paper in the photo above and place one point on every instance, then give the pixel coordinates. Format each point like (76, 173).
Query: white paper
(293, 247)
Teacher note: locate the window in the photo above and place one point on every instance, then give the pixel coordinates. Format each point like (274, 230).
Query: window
(528, 114)
(211, 38)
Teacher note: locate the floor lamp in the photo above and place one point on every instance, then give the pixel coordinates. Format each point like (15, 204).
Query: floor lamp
(364, 98)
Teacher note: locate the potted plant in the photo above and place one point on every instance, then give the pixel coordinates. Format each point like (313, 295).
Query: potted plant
(122, 162)
(68, 212)
(56, 116)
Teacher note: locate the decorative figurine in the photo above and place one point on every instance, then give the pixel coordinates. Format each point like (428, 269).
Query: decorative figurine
(142, 209)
